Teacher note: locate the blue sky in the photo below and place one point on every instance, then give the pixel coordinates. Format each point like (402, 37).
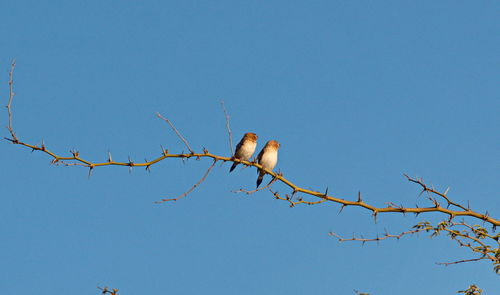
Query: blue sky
(356, 92)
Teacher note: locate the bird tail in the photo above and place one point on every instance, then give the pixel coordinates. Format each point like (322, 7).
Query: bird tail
(261, 176)
(232, 167)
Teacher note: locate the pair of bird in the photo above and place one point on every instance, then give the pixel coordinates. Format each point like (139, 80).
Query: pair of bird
(267, 158)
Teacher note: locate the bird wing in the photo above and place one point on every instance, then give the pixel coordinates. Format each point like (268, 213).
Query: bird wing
(259, 158)
(238, 148)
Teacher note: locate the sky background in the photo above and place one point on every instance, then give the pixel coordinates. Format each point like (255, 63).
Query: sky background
(356, 92)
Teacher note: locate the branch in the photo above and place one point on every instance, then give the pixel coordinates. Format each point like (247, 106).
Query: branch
(105, 291)
(176, 131)
(278, 177)
(384, 237)
(75, 159)
(192, 188)
(228, 128)
(11, 96)
(425, 188)
(289, 199)
(472, 290)
(477, 243)
(248, 192)
(461, 261)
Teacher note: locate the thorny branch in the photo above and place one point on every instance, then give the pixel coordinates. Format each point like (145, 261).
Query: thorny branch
(426, 188)
(378, 238)
(75, 159)
(474, 237)
(289, 198)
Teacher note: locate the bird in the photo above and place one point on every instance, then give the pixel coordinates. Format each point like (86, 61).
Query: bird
(245, 148)
(267, 158)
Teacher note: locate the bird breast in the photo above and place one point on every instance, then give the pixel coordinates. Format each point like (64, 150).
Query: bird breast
(246, 150)
(269, 159)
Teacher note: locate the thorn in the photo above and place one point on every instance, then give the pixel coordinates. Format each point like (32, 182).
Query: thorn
(110, 159)
(342, 208)
(446, 191)
(164, 151)
(75, 153)
(326, 192)
(90, 171)
(359, 197)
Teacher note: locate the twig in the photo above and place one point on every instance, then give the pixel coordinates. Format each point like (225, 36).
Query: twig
(461, 261)
(105, 290)
(228, 128)
(11, 96)
(258, 189)
(176, 131)
(289, 199)
(426, 188)
(192, 188)
(385, 236)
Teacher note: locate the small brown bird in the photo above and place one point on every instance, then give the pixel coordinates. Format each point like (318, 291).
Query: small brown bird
(245, 148)
(268, 157)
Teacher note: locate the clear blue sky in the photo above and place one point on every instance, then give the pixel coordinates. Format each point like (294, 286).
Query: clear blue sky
(356, 92)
